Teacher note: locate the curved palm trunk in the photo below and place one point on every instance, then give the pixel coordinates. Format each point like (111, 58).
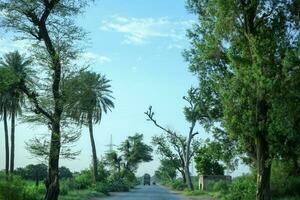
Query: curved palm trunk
(12, 141)
(6, 142)
(94, 152)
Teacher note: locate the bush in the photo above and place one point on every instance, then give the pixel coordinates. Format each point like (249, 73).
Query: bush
(16, 189)
(178, 185)
(64, 189)
(243, 187)
(30, 192)
(11, 189)
(83, 180)
(283, 183)
(119, 185)
(220, 186)
(102, 187)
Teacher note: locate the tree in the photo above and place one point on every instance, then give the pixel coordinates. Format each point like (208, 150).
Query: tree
(36, 172)
(207, 159)
(244, 52)
(65, 172)
(90, 97)
(114, 161)
(14, 97)
(167, 170)
(191, 113)
(134, 151)
(50, 27)
(170, 148)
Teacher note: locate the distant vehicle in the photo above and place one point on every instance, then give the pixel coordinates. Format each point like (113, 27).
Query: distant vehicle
(153, 183)
(147, 179)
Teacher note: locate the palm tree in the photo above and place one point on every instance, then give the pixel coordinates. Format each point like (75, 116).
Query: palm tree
(89, 96)
(12, 98)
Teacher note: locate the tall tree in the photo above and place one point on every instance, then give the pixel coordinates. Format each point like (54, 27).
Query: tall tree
(185, 142)
(170, 148)
(19, 66)
(49, 24)
(244, 53)
(134, 151)
(90, 97)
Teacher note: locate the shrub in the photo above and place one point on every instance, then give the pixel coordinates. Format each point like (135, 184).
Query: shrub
(220, 186)
(102, 187)
(64, 189)
(178, 185)
(30, 192)
(16, 189)
(83, 180)
(243, 187)
(11, 189)
(119, 185)
(283, 183)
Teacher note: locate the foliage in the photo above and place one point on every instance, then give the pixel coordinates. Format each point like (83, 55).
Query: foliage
(83, 180)
(102, 187)
(113, 160)
(36, 172)
(283, 180)
(167, 170)
(241, 188)
(178, 185)
(65, 172)
(103, 173)
(88, 95)
(135, 151)
(207, 160)
(81, 194)
(246, 56)
(220, 186)
(119, 185)
(16, 189)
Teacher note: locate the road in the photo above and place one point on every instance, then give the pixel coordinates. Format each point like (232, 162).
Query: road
(153, 192)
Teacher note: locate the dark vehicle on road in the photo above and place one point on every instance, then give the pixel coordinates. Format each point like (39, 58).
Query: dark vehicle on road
(147, 179)
(153, 183)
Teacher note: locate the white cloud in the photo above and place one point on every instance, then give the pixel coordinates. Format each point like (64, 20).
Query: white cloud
(94, 58)
(8, 45)
(140, 30)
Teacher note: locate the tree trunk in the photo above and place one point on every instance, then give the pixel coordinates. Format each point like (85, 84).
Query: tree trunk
(188, 157)
(94, 152)
(12, 142)
(183, 176)
(263, 169)
(188, 178)
(6, 142)
(52, 183)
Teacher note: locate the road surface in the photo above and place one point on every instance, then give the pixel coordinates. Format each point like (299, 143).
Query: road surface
(153, 192)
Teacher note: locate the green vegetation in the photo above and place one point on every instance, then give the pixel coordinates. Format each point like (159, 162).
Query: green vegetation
(245, 54)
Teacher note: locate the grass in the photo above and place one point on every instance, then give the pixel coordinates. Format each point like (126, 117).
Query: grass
(81, 195)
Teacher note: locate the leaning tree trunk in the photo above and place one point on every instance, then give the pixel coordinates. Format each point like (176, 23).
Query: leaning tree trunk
(94, 152)
(12, 142)
(52, 183)
(263, 169)
(6, 142)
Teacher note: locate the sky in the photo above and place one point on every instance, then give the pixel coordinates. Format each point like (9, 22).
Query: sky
(138, 45)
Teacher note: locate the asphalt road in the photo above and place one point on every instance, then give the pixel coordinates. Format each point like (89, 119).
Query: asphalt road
(153, 192)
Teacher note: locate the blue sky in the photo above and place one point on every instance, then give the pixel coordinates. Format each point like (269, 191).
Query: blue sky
(138, 45)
